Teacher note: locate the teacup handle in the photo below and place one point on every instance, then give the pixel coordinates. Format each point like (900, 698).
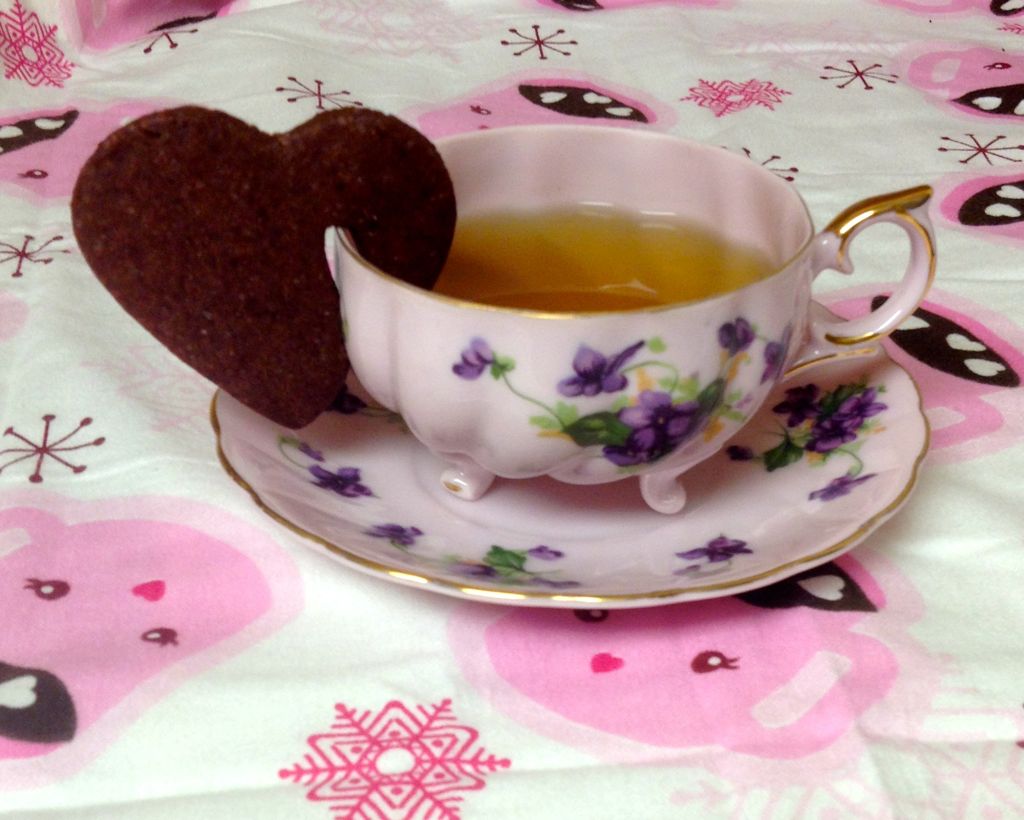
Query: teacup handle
(830, 338)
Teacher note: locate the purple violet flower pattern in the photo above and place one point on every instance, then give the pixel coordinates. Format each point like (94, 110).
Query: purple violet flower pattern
(839, 487)
(736, 336)
(860, 406)
(475, 359)
(596, 374)
(657, 427)
(545, 553)
(830, 433)
(823, 423)
(665, 410)
(775, 356)
(839, 428)
(717, 550)
(309, 452)
(345, 481)
(800, 404)
(510, 566)
(472, 569)
(395, 533)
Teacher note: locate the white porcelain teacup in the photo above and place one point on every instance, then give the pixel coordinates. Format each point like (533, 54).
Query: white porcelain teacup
(597, 397)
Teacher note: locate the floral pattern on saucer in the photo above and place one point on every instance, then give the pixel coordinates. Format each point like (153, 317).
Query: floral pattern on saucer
(819, 468)
(821, 425)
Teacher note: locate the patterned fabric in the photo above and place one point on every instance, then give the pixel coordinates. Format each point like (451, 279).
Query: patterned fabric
(169, 650)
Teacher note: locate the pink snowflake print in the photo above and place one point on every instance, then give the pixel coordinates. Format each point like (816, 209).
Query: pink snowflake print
(1013, 28)
(399, 27)
(316, 92)
(542, 42)
(27, 253)
(968, 779)
(975, 148)
(726, 97)
(854, 73)
(46, 448)
(29, 49)
(396, 763)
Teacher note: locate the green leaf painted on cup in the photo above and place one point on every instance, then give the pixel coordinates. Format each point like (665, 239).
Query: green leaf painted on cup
(599, 428)
(783, 455)
(505, 559)
(656, 345)
(711, 396)
(684, 389)
(502, 365)
(566, 413)
(544, 422)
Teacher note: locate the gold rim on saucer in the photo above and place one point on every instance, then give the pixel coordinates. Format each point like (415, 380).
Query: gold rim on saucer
(498, 595)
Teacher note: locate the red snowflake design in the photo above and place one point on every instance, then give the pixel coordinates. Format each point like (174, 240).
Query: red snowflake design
(770, 164)
(27, 253)
(316, 92)
(855, 73)
(165, 32)
(29, 49)
(45, 448)
(397, 763)
(973, 148)
(542, 42)
(726, 97)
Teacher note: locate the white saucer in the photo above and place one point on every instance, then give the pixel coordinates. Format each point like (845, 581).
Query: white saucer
(539, 542)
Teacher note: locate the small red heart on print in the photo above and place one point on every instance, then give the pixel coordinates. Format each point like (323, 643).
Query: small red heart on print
(605, 662)
(150, 591)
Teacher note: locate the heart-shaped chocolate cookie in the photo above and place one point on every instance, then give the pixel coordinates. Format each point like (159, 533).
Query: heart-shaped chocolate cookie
(211, 234)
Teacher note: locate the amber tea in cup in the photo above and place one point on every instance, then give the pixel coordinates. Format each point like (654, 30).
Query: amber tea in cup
(592, 258)
(594, 384)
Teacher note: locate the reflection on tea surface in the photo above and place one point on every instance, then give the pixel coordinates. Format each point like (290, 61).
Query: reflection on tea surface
(592, 258)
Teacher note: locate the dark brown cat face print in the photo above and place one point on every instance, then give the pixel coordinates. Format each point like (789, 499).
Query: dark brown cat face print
(1001, 204)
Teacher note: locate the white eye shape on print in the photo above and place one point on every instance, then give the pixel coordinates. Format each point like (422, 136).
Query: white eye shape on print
(1001, 99)
(1000, 204)
(944, 345)
(22, 133)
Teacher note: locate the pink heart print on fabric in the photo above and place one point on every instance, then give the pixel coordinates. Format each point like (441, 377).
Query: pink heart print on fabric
(104, 24)
(1000, 8)
(532, 99)
(966, 360)
(96, 608)
(42, 150)
(780, 672)
(983, 83)
(599, 5)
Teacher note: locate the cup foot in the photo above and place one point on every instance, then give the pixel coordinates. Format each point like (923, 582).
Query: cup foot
(663, 492)
(467, 482)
